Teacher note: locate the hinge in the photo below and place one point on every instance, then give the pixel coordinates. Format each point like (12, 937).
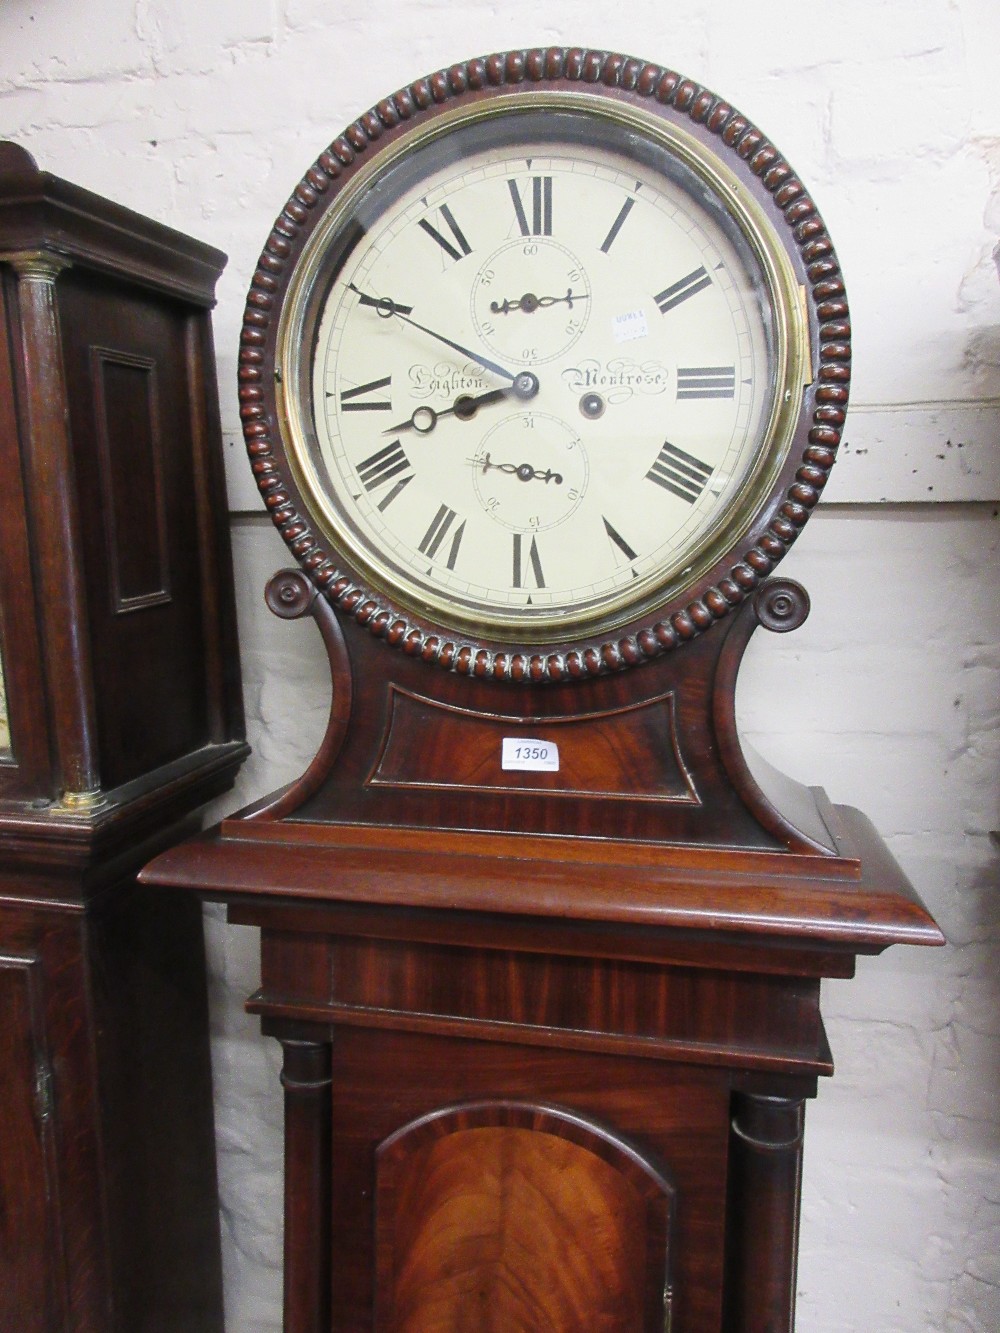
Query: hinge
(44, 1095)
(668, 1308)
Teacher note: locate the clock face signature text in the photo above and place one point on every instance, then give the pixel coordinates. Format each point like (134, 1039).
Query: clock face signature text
(539, 381)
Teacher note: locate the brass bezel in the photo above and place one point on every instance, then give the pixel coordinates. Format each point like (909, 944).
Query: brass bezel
(792, 366)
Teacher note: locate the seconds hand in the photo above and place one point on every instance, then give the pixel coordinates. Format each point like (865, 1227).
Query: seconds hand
(385, 304)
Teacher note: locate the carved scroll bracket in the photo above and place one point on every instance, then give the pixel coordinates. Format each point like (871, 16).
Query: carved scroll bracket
(290, 595)
(785, 808)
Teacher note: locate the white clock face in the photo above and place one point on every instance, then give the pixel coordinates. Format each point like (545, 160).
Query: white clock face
(543, 365)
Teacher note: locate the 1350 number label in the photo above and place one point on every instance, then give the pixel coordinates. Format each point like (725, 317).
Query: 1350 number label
(528, 754)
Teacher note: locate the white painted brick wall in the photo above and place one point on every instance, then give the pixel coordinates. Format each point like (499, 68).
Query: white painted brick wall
(203, 113)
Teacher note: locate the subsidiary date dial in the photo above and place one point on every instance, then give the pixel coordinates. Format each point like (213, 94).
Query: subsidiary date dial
(542, 372)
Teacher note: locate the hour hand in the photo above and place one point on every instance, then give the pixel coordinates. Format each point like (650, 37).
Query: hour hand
(423, 419)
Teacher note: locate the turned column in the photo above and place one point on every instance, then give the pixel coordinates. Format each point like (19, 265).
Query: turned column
(765, 1174)
(50, 472)
(305, 1077)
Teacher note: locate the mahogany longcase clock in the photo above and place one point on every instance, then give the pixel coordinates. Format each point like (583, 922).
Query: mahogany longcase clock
(543, 369)
(120, 715)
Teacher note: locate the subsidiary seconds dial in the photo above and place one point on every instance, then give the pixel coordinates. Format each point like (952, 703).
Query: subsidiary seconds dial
(539, 368)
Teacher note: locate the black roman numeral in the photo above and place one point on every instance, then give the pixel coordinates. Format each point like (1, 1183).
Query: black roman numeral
(706, 382)
(541, 206)
(382, 466)
(616, 226)
(533, 562)
(680, 291)
(438, 530)
(347, 397)
(680, 473)
(463, 246)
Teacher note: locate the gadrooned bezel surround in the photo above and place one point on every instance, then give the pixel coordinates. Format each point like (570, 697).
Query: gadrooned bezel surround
(801, 231)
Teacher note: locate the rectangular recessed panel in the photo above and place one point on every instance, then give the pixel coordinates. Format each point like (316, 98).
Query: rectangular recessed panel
(130, 447)
(136, 414)
(633, 749)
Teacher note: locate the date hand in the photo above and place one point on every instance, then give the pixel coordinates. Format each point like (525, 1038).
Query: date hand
(386, 307)
(523, 471)
(529, 302)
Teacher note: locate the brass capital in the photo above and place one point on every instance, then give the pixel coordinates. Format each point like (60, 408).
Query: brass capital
(82, 802)
(36, 265)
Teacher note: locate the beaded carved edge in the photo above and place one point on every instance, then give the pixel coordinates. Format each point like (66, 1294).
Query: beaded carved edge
(826, 289)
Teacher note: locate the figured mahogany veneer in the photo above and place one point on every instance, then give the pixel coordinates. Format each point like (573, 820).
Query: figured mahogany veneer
(633, 749)
(442, 957)
(547, 1035)
(466, 1194)
(650, 757)
(659, 993)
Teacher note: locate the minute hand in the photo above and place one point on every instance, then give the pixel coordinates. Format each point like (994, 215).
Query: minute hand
(480, 360)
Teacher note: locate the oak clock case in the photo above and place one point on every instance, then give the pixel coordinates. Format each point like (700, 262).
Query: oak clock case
(543, 368)
(120, 715)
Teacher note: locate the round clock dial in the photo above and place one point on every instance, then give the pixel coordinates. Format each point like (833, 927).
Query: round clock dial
(540, 368)
(544, 364)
